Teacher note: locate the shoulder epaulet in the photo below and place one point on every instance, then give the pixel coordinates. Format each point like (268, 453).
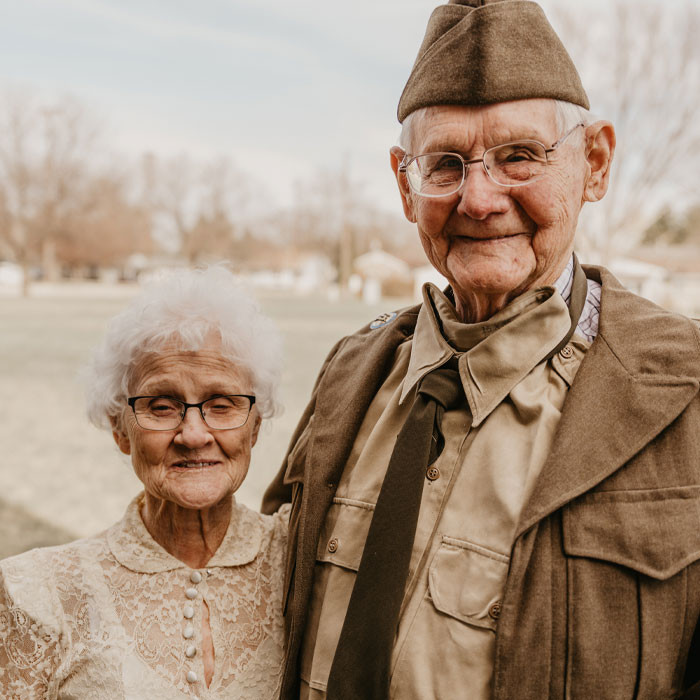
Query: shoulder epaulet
(383, 320)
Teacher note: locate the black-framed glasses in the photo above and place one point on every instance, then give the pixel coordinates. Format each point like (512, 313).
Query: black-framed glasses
(167, 412)
(512, 164)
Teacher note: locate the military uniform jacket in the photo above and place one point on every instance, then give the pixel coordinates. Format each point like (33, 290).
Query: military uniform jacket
(603, 592)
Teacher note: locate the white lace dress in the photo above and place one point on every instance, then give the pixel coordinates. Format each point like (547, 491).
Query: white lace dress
(115, 617)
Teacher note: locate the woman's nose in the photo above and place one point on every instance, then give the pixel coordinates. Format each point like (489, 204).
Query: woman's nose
(193, 431)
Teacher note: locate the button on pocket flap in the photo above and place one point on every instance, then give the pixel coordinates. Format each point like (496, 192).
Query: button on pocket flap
(344, 532)
(466, 581)
(653, 531)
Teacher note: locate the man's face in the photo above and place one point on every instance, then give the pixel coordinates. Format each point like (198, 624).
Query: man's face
(491, 242)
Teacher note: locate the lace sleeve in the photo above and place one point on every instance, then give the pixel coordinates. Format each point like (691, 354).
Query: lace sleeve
(29, 649)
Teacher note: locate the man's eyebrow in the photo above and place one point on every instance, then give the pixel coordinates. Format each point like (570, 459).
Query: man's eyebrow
(450, 145)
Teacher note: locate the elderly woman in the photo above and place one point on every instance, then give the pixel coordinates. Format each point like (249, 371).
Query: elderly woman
(183, 597)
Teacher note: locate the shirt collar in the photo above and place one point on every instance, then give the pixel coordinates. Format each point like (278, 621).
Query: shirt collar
(494, 355)
(133, 547)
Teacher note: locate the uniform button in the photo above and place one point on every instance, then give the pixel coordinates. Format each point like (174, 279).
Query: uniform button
(333, 545)
(566, 352)
(188, 612)
(195, 577)
(191, 593)
(495, 610)
(190, 651)
(188, 632)
(191, 677)
(433, 473)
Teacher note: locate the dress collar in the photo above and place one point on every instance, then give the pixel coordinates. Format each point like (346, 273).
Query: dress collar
(133, 547)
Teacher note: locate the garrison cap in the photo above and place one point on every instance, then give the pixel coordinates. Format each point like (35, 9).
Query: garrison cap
(477, 52)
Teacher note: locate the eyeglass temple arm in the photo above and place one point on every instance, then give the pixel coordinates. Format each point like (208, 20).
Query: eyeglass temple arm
(559, 142)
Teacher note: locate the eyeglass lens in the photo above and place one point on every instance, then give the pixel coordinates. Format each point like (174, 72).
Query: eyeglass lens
(511, 164)
(166, 413)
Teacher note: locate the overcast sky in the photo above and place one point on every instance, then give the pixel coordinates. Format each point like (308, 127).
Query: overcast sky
(283, 88)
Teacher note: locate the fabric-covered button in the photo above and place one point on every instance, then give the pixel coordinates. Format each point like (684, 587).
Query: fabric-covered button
(190, 651)
(495, 610)
(191, 677)
(433, 473)
(566, 352)
(191, 593)
(188, 632)
(333, 545)
(195, 577)
(188, 612)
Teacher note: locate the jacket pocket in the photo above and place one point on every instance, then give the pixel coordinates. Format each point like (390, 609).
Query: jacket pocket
(630, 608)
(655, 532)
(466, 582)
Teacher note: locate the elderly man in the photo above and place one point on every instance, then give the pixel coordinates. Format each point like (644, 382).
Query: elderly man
(496, 494)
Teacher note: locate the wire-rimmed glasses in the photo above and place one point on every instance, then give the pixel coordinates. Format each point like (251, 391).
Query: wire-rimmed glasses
(511, 164)
(166, 412)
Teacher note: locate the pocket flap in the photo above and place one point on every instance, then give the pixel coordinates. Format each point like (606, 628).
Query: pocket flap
(344, 532)
(653, 531)
(466, 581)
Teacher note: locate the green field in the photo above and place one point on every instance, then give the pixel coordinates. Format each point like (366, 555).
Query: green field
(63, 478)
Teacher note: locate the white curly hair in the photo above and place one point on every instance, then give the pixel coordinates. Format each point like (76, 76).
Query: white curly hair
(184, 307)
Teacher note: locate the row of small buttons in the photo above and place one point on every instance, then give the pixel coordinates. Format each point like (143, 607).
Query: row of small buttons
(188, 631)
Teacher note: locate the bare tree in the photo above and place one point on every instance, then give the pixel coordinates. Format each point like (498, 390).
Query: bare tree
(640, 62)
(44, 158)
(107, 229)
(204, 207)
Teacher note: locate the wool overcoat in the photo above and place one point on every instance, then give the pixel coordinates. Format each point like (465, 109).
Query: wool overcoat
(603, 591)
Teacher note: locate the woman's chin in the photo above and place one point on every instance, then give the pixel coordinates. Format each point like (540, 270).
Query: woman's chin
(197, 493)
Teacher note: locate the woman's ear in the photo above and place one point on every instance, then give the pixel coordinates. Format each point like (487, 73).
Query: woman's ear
(600, 149)
(396, 154)
(120, 435)
(256, 429)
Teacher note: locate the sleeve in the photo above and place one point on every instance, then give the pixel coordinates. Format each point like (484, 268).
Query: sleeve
(280, 491)
(30, 650)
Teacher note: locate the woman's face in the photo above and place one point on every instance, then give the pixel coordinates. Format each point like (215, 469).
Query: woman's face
(192, 466)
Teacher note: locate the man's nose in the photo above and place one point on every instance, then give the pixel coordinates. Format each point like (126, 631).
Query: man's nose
(193, 431)
(480, 196)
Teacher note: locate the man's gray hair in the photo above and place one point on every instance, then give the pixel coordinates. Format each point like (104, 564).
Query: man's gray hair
(184, 307)
(567, 116)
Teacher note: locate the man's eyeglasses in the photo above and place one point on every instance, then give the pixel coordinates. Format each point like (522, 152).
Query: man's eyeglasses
(510, 165)
(166, 412)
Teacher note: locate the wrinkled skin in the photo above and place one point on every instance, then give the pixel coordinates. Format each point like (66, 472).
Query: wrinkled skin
(187, 508)
(490, 242)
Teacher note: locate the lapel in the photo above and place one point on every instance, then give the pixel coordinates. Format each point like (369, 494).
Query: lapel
(343, 397)
(637, 377)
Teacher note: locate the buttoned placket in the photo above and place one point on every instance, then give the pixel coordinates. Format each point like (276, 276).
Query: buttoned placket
(195, 594)
(439, 480)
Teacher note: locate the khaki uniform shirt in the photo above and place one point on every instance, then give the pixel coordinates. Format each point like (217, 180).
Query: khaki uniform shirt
(495, 445)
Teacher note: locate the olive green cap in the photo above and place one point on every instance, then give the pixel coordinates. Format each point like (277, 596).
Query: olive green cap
(477, 52)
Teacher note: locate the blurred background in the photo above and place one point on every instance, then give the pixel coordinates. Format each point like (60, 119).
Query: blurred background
(138, 136)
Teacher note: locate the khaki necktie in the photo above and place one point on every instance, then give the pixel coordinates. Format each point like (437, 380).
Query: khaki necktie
(362, 661)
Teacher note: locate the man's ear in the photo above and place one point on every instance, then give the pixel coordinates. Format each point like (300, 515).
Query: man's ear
(600, 149)
(396, 154)
(120, 436)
